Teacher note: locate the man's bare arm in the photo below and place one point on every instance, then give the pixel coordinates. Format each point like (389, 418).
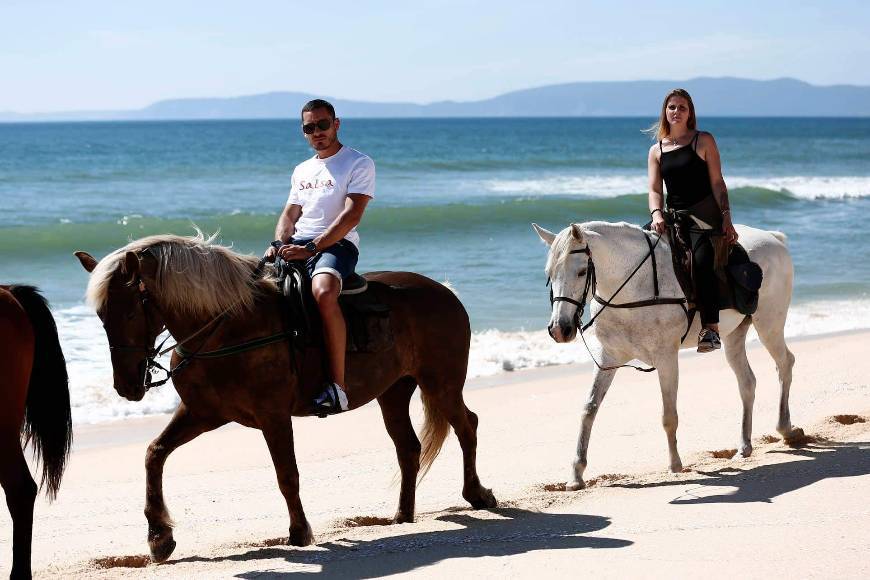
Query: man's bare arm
(354, 206)
(287, 222)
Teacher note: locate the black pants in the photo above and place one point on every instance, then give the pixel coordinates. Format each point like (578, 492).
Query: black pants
(706, 282)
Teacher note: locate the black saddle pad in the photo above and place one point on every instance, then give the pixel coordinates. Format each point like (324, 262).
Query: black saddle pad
(366, 315)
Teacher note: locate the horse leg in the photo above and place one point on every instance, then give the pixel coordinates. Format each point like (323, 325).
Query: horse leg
(735, 352)
(773, 338)
(182, 428)
(447, 397)
(669, 379)
(394, 407)
(20, 496)
(600, 383)
(279, 438)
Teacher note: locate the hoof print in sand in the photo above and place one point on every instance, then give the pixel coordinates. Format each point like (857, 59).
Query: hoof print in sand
(139, 561)
(362, 521)
(848, 419)
(555, 487)
(723, 453)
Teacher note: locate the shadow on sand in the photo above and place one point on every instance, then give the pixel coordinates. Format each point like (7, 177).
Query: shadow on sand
(814, 463)
(522, 531)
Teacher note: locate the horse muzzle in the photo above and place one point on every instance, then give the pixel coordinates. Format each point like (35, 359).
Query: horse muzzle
(562, 332)
(132, 388)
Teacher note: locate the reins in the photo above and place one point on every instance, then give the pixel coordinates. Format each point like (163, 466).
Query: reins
(152, 353)
(591, 283)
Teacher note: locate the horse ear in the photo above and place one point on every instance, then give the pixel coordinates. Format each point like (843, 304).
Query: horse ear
(87, 260)
(546, 235)
(131, 265)
(576, 232)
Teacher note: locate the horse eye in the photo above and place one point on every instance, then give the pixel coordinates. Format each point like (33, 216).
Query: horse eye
(580, 273)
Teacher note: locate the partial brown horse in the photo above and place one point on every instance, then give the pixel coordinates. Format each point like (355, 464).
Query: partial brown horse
(34, 391)
(211, 298)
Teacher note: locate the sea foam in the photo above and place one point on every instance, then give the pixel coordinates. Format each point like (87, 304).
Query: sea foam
(492, 352)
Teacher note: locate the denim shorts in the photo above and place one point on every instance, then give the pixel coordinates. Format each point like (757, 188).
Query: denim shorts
(338, 259)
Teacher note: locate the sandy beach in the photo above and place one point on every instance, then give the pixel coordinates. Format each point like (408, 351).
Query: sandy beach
(785, 512)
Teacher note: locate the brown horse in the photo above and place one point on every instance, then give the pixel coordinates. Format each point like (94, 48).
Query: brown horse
(210, 298)
(34, 391)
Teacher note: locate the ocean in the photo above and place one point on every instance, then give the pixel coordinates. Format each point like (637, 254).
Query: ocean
(454, 201)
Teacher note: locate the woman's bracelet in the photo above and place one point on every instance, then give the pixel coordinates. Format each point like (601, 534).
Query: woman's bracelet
(655, 210)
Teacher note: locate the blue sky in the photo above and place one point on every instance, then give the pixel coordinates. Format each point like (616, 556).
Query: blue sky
(75, 55)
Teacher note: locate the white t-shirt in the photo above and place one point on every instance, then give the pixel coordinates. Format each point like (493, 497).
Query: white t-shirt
(320, 186)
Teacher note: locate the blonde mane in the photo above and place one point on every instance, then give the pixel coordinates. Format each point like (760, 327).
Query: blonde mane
(194, 276)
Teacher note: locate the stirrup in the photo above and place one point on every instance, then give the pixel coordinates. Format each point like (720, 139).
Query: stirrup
(328, 402)
(708, 340)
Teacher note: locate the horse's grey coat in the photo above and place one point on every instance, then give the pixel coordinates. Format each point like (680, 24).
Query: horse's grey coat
(652, 334)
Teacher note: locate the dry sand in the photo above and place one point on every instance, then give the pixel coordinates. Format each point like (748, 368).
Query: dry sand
(783, 512)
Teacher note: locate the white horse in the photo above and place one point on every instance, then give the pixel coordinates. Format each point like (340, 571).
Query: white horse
(653, 334)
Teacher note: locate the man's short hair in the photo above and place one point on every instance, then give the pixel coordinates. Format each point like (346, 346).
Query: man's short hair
(319, 104)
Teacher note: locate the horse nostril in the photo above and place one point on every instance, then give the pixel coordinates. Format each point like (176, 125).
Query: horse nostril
(566, 330)
(550, 331)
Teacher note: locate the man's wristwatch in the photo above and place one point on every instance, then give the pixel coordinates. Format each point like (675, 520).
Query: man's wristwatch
(311, 247)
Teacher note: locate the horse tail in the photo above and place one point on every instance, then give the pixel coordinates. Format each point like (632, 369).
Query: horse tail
(779, 236)
(47, 418)
(435, 431)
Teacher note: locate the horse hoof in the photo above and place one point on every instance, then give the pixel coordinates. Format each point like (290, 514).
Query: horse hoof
(575, 485)
(795, 437)
(301, 536)
(161, 548)
(677, 467)
(484, 500)
(745, 450)
(403, 518)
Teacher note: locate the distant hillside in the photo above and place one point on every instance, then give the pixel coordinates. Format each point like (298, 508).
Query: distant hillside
(715, 97)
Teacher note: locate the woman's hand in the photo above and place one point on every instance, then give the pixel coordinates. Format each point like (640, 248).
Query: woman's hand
(658, 223)
(728, 228)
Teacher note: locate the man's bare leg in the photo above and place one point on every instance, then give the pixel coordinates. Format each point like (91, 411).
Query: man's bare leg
(326, 289)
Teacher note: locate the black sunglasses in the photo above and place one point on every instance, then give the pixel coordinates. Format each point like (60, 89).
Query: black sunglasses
(323, 125)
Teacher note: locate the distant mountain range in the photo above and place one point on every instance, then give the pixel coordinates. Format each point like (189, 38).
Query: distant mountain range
(714, 97)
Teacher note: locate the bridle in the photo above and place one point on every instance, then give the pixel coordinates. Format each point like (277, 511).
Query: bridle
(590, 285)
(152, 353)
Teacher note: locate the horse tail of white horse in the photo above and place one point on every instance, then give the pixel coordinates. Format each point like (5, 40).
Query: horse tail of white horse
(780, 236)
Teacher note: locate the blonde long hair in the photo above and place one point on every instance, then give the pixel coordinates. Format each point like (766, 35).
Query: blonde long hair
(661, 128)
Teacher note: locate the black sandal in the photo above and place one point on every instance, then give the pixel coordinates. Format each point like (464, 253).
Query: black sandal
(708, 340)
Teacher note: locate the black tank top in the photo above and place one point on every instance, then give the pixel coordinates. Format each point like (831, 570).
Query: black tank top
(686, 175)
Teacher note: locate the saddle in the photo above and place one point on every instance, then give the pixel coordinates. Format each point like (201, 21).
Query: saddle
(739, 278)
(366, 315)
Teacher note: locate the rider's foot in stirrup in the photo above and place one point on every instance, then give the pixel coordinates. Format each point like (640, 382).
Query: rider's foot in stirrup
(708, 340)
(331, 401)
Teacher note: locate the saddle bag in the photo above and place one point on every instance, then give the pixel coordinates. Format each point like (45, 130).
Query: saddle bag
(745, 281)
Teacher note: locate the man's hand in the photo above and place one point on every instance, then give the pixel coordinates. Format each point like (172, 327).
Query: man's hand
(292, 252)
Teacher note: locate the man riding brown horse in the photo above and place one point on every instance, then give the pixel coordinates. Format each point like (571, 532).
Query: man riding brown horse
(328, 195)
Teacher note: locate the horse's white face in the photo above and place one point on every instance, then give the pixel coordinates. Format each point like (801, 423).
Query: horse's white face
(567, 273)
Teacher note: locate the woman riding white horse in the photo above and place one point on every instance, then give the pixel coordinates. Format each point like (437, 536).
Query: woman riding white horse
(654, 332)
